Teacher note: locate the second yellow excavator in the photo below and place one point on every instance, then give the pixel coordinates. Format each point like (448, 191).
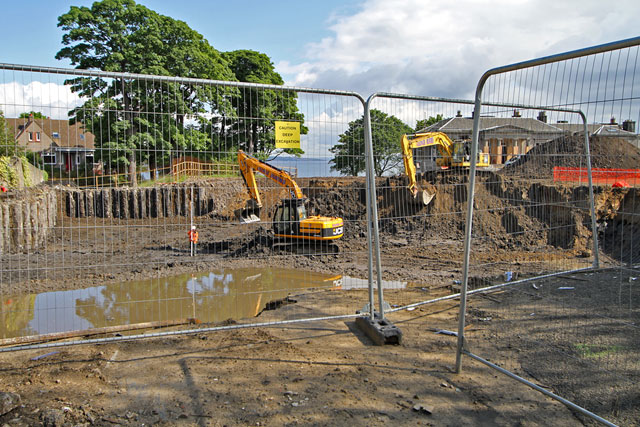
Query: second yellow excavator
(450, 155)
(291, 224)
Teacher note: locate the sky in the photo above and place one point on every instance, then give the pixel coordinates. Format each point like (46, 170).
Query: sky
(422, 47)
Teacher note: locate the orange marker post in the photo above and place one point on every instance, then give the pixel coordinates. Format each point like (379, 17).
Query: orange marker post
(193, 239)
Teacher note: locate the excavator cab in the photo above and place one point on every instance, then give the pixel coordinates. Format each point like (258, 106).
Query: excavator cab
(461, 152)
(299, 232)
(461, 156)
(289, 213)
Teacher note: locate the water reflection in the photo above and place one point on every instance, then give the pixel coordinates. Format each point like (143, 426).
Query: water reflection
(215, 296)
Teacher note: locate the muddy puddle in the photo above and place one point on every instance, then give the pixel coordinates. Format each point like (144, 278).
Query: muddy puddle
(211, 297)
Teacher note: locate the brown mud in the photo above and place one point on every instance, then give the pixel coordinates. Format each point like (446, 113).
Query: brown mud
(322, 374)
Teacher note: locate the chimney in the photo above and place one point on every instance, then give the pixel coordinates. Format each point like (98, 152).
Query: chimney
(30, 119)
(459, 114)
(613, 121)
(629, 126)
(542, 116)
(516, 113)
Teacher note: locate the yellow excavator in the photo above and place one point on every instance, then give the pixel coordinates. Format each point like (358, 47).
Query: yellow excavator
(291, 224)
(451, 155)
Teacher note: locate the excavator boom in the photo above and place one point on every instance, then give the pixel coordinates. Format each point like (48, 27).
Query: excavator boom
(422, 140)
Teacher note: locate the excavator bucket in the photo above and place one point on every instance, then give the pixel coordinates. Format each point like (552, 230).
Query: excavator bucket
(420, 198)
(250, 213)
(424, 197)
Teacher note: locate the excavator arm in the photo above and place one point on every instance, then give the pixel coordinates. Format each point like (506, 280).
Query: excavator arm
(422, 140)
(248, 167)
(409, 164)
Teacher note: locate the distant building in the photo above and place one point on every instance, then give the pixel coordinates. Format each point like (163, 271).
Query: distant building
(59, 143)
(506, 137)
(612, 129)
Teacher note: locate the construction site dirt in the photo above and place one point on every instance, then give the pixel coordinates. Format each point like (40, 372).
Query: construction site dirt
(324, 373)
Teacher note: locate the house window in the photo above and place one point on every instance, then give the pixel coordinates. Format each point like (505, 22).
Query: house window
(30, 136)
(49, 159)
(37, 136)
(89, 159)
(56, 135)
(82, 136)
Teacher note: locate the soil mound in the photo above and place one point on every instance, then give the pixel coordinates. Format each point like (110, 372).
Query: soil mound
(568, 151)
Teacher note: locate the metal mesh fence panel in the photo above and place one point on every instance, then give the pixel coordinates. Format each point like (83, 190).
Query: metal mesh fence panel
(546, 315)
(137, 201)
(422, 161)
(420, 198)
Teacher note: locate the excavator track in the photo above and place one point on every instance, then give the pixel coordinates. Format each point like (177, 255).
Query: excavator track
(305, 247)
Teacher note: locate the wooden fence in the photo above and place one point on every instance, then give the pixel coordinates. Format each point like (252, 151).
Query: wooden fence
(189, 168)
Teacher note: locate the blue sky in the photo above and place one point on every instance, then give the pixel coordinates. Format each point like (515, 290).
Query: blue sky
(425, 47)
(280, 29)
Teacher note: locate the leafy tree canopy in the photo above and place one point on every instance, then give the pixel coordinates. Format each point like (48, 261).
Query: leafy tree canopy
(122, 36)
(257, 136)
(424, 123)
(143, 121)
(35, 115)
(252, 67)
(8, 144)
(386, 133)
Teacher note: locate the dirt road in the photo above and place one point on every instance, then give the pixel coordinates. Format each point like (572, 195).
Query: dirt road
(326, 373)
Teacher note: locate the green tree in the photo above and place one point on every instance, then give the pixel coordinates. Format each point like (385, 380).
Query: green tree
(386, 133)
(34, 114)
(425, 123)
(122, 36)
(8, 144)
(258, 109)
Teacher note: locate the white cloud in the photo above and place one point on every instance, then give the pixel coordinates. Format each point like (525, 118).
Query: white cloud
(441, 48)
(302, 72)
(51, 99)
(327, 123)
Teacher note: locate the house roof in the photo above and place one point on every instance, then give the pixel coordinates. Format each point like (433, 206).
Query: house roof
(464, 124)
(68, 135)
(525, 125)
(613, 130)
(577, 127)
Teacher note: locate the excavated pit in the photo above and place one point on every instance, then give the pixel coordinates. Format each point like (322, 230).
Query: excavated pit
(517, 221)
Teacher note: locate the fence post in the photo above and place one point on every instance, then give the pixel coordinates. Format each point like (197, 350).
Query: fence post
(372, 215)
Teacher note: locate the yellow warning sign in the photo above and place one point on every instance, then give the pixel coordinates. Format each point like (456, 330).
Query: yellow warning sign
(287, 134)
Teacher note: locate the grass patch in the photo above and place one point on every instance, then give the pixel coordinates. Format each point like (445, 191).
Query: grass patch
(594, 351)
(167, 179)
(170, 179)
